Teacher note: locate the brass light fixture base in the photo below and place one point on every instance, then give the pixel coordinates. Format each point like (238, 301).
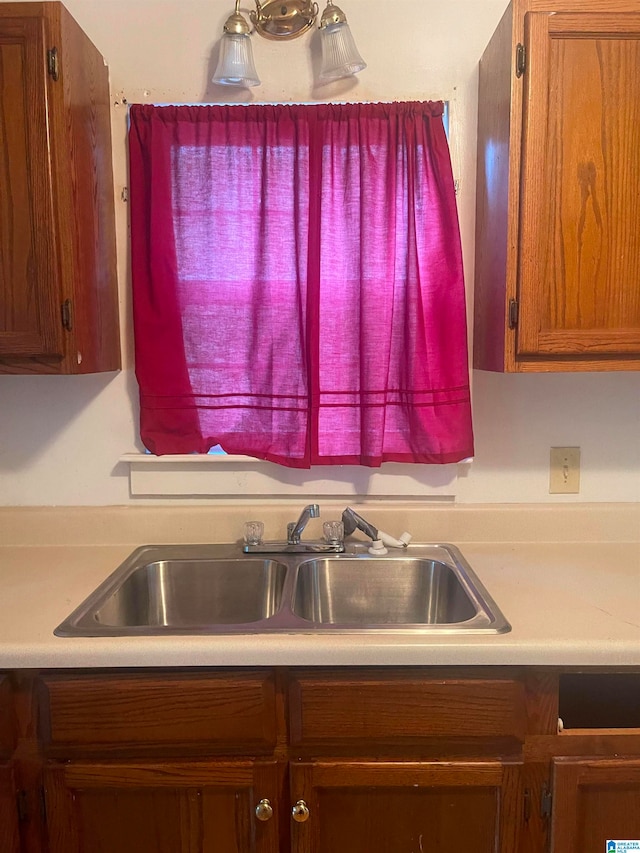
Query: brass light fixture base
(332, 15)
(284, 19)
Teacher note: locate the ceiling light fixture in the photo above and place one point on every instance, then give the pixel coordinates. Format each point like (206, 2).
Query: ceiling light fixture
(280, 20)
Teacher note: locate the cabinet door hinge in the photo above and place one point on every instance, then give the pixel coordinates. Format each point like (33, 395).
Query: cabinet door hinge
(53, 67)
(514, 310)
(521, 60)
(546, 803)
(66, 310)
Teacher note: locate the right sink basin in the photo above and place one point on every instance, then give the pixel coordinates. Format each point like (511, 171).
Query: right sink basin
(434, 589)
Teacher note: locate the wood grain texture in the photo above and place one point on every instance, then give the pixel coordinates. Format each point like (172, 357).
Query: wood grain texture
(580, 245)
(380, 708)
(29, 283)
(222, 712)
(594, 800)
(194, 807)
(82, 153)
(58, 234)
(577, 6)
(572, 143)
(126, 786)
(9, 831)
(359, 807)
(495, 220)
(7, 728)
(535, 826)
(542, 701)
(576, 364)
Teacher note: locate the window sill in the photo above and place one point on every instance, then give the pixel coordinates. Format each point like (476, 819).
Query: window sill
(243, 477)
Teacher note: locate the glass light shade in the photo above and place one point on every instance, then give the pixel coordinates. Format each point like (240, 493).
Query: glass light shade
(340, 57)
(235, 65)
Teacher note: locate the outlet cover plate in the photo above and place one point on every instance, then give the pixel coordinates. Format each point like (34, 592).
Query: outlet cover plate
(564, 471)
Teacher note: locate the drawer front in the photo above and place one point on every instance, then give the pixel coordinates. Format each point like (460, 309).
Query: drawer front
(6, 717)
(232, 712)
(381, 708)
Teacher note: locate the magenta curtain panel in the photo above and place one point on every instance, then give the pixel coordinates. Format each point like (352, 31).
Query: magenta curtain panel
(297, 283)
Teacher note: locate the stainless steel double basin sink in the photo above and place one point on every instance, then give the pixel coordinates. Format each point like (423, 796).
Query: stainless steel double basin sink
(216, 589)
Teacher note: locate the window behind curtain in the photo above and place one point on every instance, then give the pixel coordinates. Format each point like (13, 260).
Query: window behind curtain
(298, 289)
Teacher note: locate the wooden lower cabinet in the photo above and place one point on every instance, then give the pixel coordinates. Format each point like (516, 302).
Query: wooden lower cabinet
(9, 824)
(595, 800)
(9, 832)
(160, 807)
(340, 807)
(386, 807)
(318, 760)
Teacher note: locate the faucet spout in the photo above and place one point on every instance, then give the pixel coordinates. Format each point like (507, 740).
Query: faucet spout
(351, 520)
(294, 530)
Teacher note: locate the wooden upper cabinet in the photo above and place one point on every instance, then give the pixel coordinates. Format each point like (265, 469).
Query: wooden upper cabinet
(29, 303)
(58, 287)
(558, 205)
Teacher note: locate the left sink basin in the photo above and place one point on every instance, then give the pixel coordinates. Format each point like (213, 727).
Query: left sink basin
(180, 590)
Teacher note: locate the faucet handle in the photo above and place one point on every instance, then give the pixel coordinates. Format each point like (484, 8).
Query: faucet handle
(333, 532)
(253, 532)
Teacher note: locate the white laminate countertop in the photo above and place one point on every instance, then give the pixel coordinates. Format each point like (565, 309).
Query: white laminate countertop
(569, 604)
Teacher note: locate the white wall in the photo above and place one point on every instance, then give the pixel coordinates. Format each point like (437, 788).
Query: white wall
(61, 437)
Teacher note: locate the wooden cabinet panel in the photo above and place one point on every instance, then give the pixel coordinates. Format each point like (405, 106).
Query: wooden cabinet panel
(6, 719)
(170, 807)
(557, 247)
(579, 239)
(29, 287)
(383, 760)
(58, 283)
(594, 800)
(217, 712)
(9, 835)
(431, 807)
(385, 708)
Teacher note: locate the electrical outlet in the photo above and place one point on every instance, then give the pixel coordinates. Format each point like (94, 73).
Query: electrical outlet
(564, 471)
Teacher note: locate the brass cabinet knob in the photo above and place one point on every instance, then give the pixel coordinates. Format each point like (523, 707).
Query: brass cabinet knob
(264, 810)
(300, 812)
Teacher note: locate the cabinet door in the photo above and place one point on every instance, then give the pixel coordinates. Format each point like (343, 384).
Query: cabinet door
(580, 207)
(594, 801)
(9, 837)
(30, 307)
(168, 807)
(425, 807)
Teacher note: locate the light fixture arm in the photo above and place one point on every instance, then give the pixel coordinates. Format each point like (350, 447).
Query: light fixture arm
(236, 24)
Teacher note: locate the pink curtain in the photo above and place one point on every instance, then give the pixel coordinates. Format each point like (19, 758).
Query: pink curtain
(297, 282)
